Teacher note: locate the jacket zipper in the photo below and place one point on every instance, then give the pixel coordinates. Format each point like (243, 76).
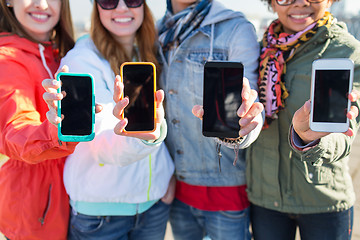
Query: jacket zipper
(42, 219)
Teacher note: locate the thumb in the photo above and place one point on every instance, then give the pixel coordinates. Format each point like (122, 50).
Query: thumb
(159, 97)
(64, 68)
(301, 117)
(307, 107)
(198, 111)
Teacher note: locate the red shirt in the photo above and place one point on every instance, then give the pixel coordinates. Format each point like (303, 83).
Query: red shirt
(232, 198)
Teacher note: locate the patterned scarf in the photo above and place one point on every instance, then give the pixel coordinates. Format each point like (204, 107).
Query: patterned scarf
(174, 29)
(279, 48)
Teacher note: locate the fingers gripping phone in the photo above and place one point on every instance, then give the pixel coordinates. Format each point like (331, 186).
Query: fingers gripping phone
(223, 82)
(78, 107)
(139, 80)
(331, 83)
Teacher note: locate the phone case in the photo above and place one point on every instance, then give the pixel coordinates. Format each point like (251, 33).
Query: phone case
(136, 89)
(77, 138)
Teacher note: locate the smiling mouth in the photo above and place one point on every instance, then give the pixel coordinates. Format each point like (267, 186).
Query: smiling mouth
(41, 17)
(122, 20)
(302, 16)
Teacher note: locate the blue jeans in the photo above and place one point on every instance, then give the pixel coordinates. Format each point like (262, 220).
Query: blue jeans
(191, 223)
(149, 225)
(273, 225)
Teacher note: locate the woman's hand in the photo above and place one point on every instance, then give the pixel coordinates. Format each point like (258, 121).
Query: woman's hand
(301, 120)
(169, 196)
(247, 111)
(51, 97)
(122, 103)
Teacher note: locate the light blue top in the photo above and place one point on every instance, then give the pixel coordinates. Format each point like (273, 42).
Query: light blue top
(111, 208)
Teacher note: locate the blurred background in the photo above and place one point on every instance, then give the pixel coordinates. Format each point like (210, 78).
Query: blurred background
(255, 10)
(258, 13)
(260, 16)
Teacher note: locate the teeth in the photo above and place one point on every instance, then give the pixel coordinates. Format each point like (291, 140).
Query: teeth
(122, 20)
(39, 16)
(300, 16)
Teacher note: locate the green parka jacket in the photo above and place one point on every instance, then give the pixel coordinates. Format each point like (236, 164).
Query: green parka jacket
(286, 180)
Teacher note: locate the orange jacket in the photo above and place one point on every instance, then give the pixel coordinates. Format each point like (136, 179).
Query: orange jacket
(33, 201)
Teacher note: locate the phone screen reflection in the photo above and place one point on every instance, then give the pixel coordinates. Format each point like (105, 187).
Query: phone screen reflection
(222, 98)
(330, 95)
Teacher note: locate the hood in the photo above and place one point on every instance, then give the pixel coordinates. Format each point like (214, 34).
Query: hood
(43, 51)
(218, 13)
(25, 45)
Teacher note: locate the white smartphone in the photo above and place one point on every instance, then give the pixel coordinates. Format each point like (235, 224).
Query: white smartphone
(331, 82)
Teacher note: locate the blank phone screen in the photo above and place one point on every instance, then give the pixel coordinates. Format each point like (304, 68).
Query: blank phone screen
(222, 98)
(330, 95)
(77, 105)
(139, 87)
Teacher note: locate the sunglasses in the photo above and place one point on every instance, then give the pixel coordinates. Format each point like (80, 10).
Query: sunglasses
(112, 4)
(289, 2)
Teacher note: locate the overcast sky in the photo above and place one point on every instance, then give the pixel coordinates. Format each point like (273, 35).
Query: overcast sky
(81, 8)
(253, 9)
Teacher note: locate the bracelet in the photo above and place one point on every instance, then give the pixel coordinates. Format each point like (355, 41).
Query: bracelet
(229, 142)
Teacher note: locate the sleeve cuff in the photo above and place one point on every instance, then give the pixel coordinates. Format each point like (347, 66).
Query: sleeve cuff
(163, 133)
(298, 144)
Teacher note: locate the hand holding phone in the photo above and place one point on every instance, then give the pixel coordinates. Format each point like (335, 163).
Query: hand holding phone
(121, 103)
(77, 107)
(223, 82)
(331, 83)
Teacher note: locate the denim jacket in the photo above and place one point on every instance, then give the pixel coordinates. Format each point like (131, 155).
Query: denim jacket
(223, 35)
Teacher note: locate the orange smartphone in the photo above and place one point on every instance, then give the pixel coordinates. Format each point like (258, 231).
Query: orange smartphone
(139, 79)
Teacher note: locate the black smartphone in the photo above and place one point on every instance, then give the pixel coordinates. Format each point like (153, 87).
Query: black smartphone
(139, 79)
(223, 82)
(78, 107)
(331, 84)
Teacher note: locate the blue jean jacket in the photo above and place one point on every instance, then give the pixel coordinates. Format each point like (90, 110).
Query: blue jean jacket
(223, 35)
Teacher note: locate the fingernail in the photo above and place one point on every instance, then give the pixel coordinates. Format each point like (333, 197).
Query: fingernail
(55, 82)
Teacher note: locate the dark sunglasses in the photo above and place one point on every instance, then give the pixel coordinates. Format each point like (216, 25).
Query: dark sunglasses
(289, 2)
(112, 4)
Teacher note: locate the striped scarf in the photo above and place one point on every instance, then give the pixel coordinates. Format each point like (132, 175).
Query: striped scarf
(278, 49)
(174, 29)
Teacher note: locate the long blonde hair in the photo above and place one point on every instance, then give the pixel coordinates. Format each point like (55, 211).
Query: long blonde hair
(113, 51)
(62, 35)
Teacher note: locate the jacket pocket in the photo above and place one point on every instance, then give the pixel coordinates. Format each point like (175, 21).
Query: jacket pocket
(46, 208)
(316, 174)
(86, 224)
(195, 61)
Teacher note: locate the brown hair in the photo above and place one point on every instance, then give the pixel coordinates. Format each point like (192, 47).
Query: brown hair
(62, 35)
(114, 52)
(269, 2)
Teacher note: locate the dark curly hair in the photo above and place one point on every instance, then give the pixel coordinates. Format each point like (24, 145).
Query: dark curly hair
(269, 1)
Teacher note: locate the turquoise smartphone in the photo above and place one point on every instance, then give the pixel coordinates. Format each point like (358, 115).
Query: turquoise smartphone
(77, 107)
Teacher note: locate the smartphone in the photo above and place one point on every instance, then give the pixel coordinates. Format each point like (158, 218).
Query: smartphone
(331, 82)
(223, 82)
(139, 79)
(78, 107)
